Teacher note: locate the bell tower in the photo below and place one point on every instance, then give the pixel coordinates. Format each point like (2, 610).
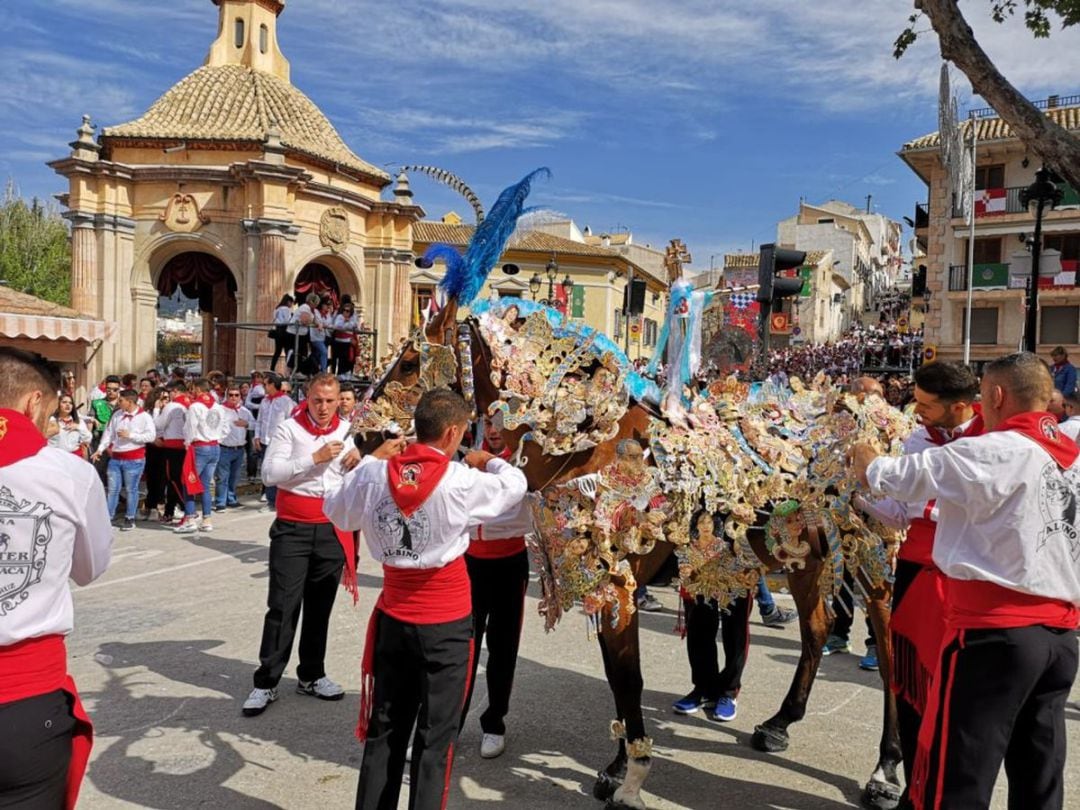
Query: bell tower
(247, 35)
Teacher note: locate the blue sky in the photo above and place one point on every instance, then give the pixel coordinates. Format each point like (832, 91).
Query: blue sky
(699, 119)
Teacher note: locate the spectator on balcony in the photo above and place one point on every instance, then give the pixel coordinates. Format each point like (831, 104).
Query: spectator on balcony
(1064, 372)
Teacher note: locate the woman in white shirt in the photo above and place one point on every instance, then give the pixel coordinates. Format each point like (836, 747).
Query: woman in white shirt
(298, 328)
(345, 325)
(280, 331)
(66, 430)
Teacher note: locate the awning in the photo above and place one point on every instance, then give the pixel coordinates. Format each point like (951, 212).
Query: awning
(42, 326)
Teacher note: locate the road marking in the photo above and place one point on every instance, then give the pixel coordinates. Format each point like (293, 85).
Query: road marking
(169, 570)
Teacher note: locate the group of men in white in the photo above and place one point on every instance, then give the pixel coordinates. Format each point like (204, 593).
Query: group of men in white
(1001, 556)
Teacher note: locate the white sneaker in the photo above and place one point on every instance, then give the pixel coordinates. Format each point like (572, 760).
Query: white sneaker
(206, 526)
(258, 700)
(492, 745)
(324, 689)
(187, 526)
(265, 508)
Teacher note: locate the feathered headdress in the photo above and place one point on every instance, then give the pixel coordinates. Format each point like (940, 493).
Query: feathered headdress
(465, 275)
(453, 181)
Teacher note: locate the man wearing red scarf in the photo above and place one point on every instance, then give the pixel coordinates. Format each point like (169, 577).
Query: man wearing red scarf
(1008, 542)
(415, 512)
(945, 405)
(56, 526)
(307, 555)
(499, 576)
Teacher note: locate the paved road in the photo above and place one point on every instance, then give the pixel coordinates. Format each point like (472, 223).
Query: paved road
(165, 646)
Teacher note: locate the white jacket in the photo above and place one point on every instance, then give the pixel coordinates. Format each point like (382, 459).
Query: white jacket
(435, 534)
(1007, 514)
(55, 515)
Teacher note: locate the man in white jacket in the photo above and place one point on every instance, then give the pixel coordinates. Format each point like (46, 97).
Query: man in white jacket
(125, 438)
(1008, 539)
(55, 528)
(415, 511)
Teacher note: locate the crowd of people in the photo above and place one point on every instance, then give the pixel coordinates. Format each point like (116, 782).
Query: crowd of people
(316, 335)
(986, 602)
(180, 445)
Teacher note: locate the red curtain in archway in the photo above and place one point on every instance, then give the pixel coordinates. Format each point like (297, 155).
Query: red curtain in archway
(318, 279)
(208, 280)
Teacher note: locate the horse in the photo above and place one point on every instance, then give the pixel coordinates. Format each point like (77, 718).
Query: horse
(619, 783)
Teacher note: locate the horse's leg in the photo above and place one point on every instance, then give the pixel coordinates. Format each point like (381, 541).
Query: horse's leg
(624, 675)
(772, 735)
(609, 779)
(883, 790)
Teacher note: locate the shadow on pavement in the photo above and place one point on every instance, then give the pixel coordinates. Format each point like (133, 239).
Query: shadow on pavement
(557, 740)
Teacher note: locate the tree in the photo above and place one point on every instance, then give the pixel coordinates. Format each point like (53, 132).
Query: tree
(1058, 148)
(35, 254)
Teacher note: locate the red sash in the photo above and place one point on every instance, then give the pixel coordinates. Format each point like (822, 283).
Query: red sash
(483, 549)
(192, 484)
(413, 596)
(38, 666)
(309, 509)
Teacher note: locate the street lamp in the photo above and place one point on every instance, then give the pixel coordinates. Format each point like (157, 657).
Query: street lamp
(926, 301)
(1043, 193)
(551, 270)
(534, 284)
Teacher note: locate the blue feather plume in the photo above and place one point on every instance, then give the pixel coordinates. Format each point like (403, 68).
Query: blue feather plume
(465, 275)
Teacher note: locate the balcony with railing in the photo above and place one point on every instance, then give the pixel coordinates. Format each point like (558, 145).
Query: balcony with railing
(922, 217)
(997, 276)
(992, 202)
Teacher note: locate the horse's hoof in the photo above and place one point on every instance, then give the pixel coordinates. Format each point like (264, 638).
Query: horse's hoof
(616, 804)
(769, 740)
(881, 796)
(605, 786)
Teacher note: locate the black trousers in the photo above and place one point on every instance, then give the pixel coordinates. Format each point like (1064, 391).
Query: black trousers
(498, 600)
(174, 479)
(703, 620)
(305, 570)
(908, 718)
(340, 356)
(1002, 696)
(421, 676)
(844, 608)
(35, 752)
(155, 477)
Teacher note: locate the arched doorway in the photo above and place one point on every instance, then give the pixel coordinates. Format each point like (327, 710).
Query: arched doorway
(207, 281)
(319, 279)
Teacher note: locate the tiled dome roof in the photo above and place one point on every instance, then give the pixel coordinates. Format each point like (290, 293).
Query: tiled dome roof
(235, 103)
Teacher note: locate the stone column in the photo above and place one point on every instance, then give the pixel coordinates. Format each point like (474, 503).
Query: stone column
(270, 238)
(85, 292)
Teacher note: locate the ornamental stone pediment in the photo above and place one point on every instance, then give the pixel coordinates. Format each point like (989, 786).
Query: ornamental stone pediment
(182, 214)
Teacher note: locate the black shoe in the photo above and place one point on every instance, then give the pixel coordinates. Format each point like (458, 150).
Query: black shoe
(219, 508)
(127, 525)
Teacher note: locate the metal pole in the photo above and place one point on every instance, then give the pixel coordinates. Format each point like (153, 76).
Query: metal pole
(971, 241)
(1031, 339)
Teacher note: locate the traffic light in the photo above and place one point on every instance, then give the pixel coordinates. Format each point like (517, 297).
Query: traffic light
(772, 260)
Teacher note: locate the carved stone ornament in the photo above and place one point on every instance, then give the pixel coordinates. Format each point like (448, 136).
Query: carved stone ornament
(182, 214)
(334, 229)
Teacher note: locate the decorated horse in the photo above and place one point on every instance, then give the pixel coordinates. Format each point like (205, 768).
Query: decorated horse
(615, 484)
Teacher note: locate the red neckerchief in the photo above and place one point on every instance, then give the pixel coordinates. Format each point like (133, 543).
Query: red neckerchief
(125, 415)
(975, 427)
(272, 397)
(206, 399)
(307, 423)
(226, 404)
(183, 400)
(1042, 428)
(19, 437)
(413, 476)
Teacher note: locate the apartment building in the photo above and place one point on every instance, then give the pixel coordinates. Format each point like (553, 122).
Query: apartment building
(1003, 232)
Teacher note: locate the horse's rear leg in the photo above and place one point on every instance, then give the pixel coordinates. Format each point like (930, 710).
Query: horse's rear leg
(883, 790)
(623, 667)
(772, 735)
